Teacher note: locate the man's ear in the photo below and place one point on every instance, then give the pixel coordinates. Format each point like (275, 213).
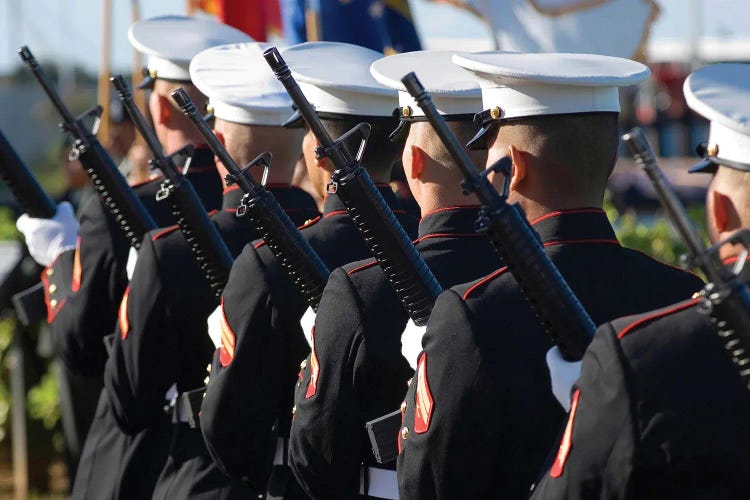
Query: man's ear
(520, 167)
(165, 109)
(721, 207)
(413, 160)
(220, 138)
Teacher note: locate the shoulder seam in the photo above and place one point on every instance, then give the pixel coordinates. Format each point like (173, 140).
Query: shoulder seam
(163, 232)
(362, 267)
(547, 244)
(657, 315)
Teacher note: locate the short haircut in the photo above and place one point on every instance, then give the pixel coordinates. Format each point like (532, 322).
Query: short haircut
(424, 134)
(380, 154)
(244, 142)
(579, 147)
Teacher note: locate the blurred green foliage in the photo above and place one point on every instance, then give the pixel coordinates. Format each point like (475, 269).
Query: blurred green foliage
(6, 337)
(653, 234)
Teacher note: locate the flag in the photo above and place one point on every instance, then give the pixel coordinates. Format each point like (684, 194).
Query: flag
(610, 27)
(382, 25)
(257, 18)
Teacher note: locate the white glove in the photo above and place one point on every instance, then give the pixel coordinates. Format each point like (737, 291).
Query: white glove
(214, 327)
(411, 342)
(307, 322)
(563, 375)
(48, 238)
(132, 259)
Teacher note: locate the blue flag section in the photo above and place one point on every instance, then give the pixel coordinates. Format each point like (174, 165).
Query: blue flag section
(382, 25)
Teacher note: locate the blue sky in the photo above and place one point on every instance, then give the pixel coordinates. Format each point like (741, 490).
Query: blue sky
(69, 31)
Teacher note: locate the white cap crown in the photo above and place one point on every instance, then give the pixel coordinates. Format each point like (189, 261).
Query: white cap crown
(240, 85)
(721, 93)
(335, 78)
(170, 42)
(453, 90)
(525, 85)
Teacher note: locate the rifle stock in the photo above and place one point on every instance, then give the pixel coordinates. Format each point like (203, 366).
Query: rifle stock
(22, 183)
(406, 271)
(204, 240)
(557, 307)
(298, 259)
(126, 208)
(725, 298)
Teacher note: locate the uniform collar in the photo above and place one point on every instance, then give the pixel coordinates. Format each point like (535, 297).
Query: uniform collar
(203, 159)
(744, 273)
(450, 221)
(333, 205)
(582, 224)
(292, 197)
(286, 195)
(231, 197)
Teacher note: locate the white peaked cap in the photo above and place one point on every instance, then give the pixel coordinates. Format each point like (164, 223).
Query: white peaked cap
(453, 90)
(721, 93)
(523, 85)
(240, 85)
(335, 78)
(170, 42)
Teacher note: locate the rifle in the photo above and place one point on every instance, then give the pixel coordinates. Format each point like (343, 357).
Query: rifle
(557, 307)
(29, 303)
(206, 244)
(725, 298)
(22, 183)
(406, 271)
(126, 208)
(298, 259)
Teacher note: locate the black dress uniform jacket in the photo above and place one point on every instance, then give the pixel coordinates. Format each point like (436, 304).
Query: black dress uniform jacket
(109, 455)
(480, 415)
(263, 345)
(358, 368)
(87, 292)
(659, 412)
(162, 340)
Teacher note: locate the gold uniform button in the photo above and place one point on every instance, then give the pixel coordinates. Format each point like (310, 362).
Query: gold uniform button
(294, 409)
(303, 365)
(403, 408)
(712, 149)
(52, 288)
(404, 433)
(49, 271)
(53, 303)
(406, 111)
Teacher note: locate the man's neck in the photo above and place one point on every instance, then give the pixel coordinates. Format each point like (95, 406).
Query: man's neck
(174, 140)
(535, 208)
(437, 198)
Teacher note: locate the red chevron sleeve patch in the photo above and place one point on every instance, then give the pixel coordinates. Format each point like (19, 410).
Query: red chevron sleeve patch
(77, 269)
(312, 386)
(423, 396)
(122, 315)
(228, 339)
(567, 439)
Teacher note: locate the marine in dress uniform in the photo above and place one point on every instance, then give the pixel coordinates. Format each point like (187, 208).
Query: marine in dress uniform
(114, 464)
(659, 410)
(162, 328)
(355, 372)
(479, 414)
(248, 401)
